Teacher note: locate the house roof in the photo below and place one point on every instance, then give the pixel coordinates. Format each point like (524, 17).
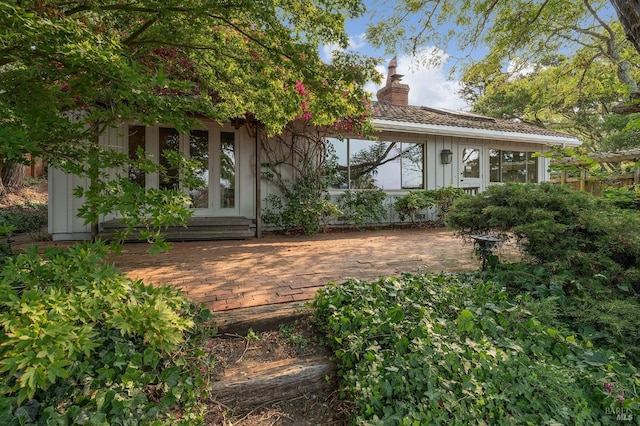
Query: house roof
(426, 120)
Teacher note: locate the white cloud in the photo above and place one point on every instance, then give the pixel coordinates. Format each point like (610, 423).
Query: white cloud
(519, 68)
(428, 85)
(355, 43)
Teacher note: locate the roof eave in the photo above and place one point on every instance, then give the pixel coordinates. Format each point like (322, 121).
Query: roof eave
(467, 132)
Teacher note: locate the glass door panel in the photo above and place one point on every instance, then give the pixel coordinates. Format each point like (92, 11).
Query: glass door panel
(470, 163)
(471, 167)
(169, 140)
(136, 148)
(227, 164)
(199, 152)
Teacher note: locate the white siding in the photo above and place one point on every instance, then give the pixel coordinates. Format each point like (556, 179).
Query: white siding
(64, 223)
(246, 173)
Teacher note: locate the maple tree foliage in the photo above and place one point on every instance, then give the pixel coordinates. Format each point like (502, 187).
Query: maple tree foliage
(64, 65)
(70, 69)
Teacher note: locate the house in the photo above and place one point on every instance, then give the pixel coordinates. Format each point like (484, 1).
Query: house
(417, 147)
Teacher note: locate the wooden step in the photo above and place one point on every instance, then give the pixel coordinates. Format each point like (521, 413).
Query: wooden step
(268, 383)
(198, 229)
(260, 318)
(242, 388)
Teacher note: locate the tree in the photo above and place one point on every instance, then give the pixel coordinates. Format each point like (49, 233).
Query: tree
(69, 69)
(515, 33)
(11, 177)
(629, 14)
(565, 93)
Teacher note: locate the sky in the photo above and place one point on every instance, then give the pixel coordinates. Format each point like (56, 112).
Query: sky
(427, 86)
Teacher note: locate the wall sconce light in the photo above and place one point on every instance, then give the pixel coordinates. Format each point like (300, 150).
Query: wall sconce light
(446, 156)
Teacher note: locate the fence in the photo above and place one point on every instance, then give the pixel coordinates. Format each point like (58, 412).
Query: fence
(37, 168)
(594, 186)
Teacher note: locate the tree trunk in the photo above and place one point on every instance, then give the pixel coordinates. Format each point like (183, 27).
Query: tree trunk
(629, 15)
(12, 177)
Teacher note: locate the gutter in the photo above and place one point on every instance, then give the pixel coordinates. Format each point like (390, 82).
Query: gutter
(466, 132)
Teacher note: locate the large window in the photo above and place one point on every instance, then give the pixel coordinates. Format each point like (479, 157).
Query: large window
(227, 170)
(137, 147)
(210, 153)
(512, 166)
(199, 152)
(169, 141)
(364, 164)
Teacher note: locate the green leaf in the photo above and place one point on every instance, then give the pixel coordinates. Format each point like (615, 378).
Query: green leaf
(465, 321)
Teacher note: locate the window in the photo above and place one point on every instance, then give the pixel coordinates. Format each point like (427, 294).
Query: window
(169, 142)
(136, 149)
(512, 166)
(199, 152)
(227, 170)
(471, 163)
(364, 164)
(166, 142)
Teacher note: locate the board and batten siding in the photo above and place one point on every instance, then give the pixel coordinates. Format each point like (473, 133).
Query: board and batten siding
(65, 225)
(63, 206)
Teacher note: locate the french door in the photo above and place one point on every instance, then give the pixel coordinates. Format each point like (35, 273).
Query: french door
(215, 154)
(471, 167)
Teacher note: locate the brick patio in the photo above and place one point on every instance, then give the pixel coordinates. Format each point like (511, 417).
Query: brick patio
(276, 269)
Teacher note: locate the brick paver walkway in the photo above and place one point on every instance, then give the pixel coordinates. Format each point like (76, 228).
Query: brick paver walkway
(276, 269)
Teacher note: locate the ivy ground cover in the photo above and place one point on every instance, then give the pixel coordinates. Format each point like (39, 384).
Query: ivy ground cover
(453, 349)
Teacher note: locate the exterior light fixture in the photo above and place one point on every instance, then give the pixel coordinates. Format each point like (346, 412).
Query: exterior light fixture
(446, 156)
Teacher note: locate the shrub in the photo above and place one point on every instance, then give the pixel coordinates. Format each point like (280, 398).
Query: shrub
(556, 225)
(27, 217)
(83, 344)
(301, 208)
(363, 207)
(451, 349)
(594, 309)
(410, 204)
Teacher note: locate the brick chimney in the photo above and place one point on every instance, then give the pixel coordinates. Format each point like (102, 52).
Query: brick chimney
(394, 92)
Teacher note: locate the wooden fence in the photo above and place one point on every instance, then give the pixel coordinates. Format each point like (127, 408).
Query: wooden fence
(595, 186)
(36, 169)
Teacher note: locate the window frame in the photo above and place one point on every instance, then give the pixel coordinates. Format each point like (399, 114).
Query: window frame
(401, 175)
(152, 151)
(528, 156)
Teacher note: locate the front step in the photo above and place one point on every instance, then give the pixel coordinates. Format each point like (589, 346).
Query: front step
(259, 318)
(198, 229)
(242, 387)
(272, 382)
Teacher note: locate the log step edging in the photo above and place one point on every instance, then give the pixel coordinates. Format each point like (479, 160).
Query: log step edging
(272, 382)
(260, 318)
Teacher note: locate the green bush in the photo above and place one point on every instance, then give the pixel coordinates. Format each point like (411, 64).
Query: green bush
(457, 350)
(557, 226)
(593, 308)
(409, 205)
(83, 344)
(363, 207)
(585, 252)
(28, 217)
(302, 208)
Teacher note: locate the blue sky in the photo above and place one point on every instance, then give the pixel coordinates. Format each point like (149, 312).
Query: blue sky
(428, 86)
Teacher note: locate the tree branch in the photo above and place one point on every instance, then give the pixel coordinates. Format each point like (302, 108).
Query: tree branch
(129, 40)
